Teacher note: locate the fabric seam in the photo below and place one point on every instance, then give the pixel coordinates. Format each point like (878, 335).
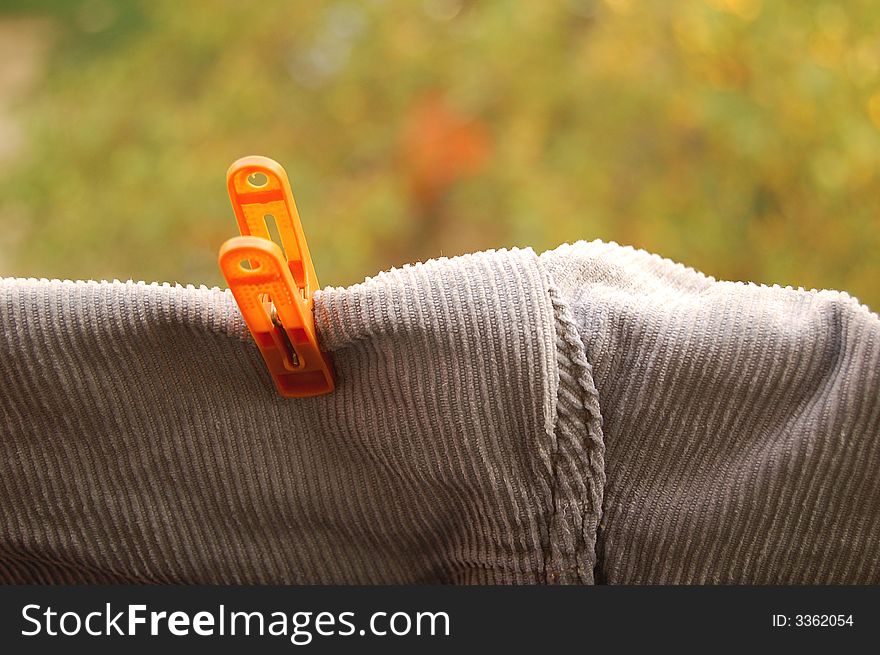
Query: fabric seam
(578, 429)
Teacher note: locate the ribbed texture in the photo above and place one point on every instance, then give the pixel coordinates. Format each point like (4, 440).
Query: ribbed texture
(742, 423)
(489, 410)
(142, 440)
(578, 449)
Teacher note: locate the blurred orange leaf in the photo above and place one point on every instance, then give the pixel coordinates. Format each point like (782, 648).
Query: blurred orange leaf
(438, 147)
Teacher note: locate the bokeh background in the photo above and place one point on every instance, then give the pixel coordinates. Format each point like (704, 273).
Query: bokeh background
(740, 137)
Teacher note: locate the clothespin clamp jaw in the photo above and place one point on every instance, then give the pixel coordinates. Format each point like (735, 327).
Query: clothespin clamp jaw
(274, 288)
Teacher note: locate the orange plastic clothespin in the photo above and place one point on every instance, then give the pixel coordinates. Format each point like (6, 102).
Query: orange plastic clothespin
(274, 293)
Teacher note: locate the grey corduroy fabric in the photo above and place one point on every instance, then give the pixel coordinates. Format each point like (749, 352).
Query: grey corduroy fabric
(741, 423)
(592, 414)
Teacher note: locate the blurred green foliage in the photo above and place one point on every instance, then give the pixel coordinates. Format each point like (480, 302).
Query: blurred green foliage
(740, 137)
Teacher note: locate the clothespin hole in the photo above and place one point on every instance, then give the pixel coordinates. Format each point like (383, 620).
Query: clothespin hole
(257, 180)
(249, 265)
(274, 232)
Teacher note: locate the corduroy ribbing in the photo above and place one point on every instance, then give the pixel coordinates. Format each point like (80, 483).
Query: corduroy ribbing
(143, 442)
(578, 461)
(499, 418)
(741, 423)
